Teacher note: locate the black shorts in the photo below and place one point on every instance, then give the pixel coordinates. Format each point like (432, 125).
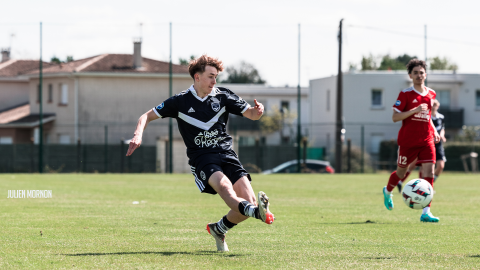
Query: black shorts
(226, 162)
(440, 152)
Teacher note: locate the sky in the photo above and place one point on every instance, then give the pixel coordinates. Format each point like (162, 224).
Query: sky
(263, 33)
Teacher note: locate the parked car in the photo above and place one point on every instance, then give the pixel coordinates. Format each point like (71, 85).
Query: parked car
(307, 166)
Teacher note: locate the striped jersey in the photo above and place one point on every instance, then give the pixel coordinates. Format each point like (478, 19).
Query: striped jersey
(202, 122)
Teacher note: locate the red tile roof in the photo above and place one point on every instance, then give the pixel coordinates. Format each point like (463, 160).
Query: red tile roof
(13, 67)
(119, 63)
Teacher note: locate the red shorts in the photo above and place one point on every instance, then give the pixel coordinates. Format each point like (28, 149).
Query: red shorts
(425, 154)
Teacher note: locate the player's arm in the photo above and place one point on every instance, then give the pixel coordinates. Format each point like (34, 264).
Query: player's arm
(399, 116)
(141, 126)
(254, 113)
(436, 136)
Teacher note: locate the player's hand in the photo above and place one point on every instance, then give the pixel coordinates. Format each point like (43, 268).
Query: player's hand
(134, 144)
(258, 107)
(437, 137)
(444, 139)
(422, 107)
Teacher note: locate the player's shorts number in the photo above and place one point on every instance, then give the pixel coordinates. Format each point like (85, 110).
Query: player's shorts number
(403, 160)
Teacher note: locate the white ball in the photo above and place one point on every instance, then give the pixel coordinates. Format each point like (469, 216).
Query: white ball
(417, 193)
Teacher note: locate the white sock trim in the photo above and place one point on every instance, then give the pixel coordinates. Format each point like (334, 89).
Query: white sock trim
(426, 210)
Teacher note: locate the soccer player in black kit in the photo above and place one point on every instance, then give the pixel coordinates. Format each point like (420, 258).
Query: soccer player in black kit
(202, 114)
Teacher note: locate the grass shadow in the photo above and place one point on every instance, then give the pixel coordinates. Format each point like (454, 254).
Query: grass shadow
(474, 256)
(379, 258)
(355, 223)
(163, 253)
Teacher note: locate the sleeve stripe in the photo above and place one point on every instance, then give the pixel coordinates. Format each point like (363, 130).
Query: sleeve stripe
(155, 111)
(396, 109)
(246, 108)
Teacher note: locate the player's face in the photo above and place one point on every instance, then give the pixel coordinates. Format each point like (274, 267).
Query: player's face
(435, 107)
(208, 79)
(418, 75)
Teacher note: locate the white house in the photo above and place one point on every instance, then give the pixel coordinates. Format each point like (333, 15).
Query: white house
(368, 97)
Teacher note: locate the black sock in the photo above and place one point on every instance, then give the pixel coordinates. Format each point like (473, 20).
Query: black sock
(248, 209)
(223, 225)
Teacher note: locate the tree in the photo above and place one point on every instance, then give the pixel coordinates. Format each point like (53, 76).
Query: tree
(437, 63)
(243, 73)
(185, 61)
(55, 60)
(398, 63)
(369, 63)
(275, 119)
(386, 63)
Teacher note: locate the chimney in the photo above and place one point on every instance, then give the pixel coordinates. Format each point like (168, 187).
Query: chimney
(137, 53)
(5, 54)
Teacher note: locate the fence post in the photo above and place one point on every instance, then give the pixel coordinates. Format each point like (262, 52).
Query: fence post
(362, 146)
(349, 156)
(84, 159)
(106, 149)
(79, 148)
(121, 156)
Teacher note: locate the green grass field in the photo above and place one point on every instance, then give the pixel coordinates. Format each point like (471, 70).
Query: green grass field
(322, 221)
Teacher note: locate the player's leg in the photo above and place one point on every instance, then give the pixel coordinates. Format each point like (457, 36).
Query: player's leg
(438, 169)
(427, 157)
(405, 157)
(410, 168)
(441, 159)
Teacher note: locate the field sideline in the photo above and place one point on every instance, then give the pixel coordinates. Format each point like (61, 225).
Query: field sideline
(322, 221)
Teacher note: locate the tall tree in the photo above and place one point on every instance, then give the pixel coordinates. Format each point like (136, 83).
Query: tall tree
(243, 73)
(398, 63)
(369, 63)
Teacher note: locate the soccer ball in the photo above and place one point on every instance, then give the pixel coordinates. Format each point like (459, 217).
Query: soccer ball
(417, 194)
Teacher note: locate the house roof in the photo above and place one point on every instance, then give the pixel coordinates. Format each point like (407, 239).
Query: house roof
(14, 67)
(117, 63)
(29, 121)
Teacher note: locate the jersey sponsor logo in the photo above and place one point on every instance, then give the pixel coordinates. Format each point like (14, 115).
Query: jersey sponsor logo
(398, 103)
(207, 139)
(159, 107)
(414, 101)
(202, 174)
(191, 110)
(215, 104)
(422, 115)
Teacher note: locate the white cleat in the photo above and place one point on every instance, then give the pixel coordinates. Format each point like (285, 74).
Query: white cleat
(265, 214)
(219, 237)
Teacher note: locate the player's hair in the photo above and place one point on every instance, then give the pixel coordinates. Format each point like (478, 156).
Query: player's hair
(199, 64)
(416, 63)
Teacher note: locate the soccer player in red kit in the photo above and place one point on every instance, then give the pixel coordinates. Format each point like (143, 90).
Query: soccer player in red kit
(417, 136)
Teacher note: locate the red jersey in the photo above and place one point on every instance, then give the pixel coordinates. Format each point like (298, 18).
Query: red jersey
(416, 130)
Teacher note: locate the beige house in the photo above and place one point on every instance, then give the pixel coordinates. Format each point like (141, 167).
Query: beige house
(100, 98)
(14, 99)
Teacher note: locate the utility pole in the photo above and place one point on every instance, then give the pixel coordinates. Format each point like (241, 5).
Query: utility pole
(170, 127)
(40, 102)
(299, 127)
(338, 128)
(425, 50)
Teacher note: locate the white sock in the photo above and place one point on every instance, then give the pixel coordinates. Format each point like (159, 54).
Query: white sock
(426, 210)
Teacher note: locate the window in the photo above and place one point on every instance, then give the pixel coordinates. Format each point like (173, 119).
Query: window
(64, 139)
(377, 98)
(328, 100)
(6, 140)
(285, 105)
(477, 99)
(443, 96)
(50, 93)
(246, 141)
(63, 94)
